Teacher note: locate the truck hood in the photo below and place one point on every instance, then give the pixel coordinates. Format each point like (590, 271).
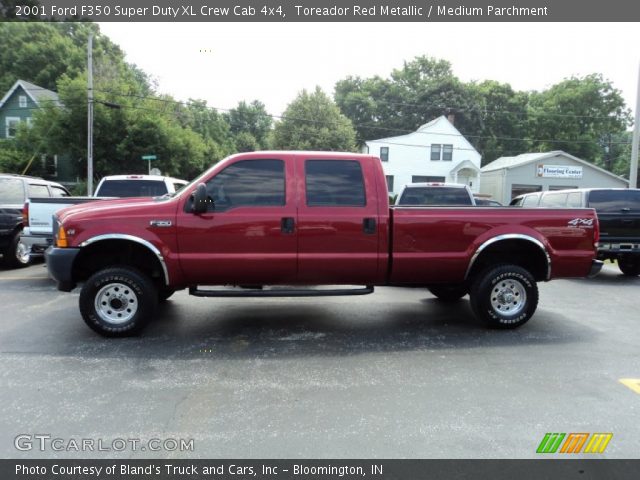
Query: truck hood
(110, 208)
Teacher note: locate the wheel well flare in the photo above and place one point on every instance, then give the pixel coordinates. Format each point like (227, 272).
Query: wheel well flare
(104, 253)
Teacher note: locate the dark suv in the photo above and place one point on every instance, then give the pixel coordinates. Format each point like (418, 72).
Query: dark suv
(14, 190)
(618, 212)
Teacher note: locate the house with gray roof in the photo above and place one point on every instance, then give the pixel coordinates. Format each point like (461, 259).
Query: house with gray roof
(19, 103)
(18, 106)
(507, 177)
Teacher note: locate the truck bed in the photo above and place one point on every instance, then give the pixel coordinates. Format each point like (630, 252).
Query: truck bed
(438, 244)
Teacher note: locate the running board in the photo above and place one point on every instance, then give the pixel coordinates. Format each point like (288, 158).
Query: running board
(281, 292)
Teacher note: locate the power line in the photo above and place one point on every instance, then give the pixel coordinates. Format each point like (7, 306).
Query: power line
(313, 121)
(282, 117)
(529, 110)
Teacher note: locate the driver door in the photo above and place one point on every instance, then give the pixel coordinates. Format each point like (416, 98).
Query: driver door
(248, 234)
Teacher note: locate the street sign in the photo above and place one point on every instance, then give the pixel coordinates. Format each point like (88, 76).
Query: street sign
(148, 158)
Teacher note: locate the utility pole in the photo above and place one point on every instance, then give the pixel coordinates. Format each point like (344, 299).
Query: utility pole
(90, 116)
(633, 173)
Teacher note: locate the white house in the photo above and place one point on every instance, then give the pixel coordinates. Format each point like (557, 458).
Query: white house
(436, 152)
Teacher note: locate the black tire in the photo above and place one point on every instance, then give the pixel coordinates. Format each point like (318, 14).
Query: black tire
(16, 256)
(164, 293)
(128, 297)
(629, 266)
(504, 297)
(449, 293)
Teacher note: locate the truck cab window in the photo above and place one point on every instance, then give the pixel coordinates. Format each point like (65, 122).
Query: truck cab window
(334, 183)
(256, 183)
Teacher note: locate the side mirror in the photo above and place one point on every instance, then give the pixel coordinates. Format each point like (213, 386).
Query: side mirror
(200, 199)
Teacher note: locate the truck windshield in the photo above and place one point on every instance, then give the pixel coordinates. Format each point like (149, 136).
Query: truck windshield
(435, 196)
(132, 188)
(11, 191)
(614, 200)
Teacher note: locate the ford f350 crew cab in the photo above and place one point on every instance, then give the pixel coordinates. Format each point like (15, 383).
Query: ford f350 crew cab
(281, 223)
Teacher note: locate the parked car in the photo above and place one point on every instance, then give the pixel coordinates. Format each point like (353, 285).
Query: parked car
(138, 186)
(300, 219)
(618, 212)
(14, 190)
(435, 194)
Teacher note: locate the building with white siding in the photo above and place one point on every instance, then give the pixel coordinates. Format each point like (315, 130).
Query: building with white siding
(436, 152)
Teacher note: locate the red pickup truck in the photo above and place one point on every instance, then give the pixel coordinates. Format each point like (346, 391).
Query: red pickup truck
(285, 223)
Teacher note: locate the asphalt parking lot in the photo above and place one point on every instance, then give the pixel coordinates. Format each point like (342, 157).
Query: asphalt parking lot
(395, 374)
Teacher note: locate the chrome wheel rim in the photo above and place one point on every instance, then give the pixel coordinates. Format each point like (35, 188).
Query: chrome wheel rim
(508, 297)
(22, 253)
(116, 303)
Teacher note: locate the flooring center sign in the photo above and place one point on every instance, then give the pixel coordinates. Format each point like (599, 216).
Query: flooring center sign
(559, 171)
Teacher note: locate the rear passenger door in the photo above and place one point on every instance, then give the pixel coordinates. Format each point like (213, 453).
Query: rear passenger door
(338, 221)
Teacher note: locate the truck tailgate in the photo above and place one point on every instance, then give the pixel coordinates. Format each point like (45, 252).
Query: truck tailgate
(41, 211)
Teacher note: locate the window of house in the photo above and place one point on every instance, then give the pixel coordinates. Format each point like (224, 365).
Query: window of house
(447, 152)
(22, 101)
(334, 183)
(436, 149)
(255, 183)
(384, 154)
(389, 183)
(11, 126)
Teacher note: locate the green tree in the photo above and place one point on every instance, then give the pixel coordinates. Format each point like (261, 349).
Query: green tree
(210, 124)
(313, 122)
(420, 91)
(252, 119)
(185, 138)
(502, 120)
(577, 115)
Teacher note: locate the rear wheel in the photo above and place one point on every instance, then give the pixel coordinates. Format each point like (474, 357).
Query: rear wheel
(118, 302)
(17, 254)
(505, 296)
(629, 266)
(449, 293)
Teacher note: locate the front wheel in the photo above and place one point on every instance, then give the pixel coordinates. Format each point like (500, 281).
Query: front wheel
(118, 302)
(505, 296)
(629, 266)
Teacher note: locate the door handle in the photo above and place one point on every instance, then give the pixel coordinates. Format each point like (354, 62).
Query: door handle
(287, 225)
(369, 226)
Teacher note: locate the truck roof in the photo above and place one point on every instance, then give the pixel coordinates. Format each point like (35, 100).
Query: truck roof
(306, 153)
